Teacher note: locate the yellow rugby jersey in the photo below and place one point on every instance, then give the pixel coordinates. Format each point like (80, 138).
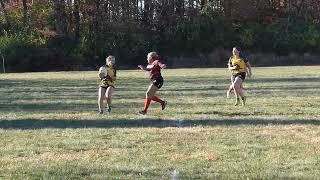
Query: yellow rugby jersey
(237, 61)
(106, 82)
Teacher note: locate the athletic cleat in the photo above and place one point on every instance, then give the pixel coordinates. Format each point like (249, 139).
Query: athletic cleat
(143, 112)
(163, 105)
(109, 109)
(243, 101)
(100, 112)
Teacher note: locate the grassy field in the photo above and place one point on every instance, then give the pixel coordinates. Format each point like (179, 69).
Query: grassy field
(50, 127)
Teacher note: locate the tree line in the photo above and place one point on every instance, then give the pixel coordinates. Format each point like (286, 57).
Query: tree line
(77, 34)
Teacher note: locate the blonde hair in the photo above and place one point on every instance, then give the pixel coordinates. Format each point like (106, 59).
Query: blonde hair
(153, 55)
(111, 59)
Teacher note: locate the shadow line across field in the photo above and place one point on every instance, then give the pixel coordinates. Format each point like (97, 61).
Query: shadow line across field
(146, 123)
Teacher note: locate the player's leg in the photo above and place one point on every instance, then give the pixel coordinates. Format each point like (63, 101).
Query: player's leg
(101, 96)
(243, 77)
(242, 94)
(108, 94)
(152, 89)
(230, 89)
(162, 102)
(237, 89)
(158, 83)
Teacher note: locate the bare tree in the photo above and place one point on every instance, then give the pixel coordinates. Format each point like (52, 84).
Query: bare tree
(3, 65)
(76, 13)
(25, 12)
(147, 12)
(60, 16)
(179, 4)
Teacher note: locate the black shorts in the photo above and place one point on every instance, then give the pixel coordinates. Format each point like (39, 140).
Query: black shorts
(241, 75)
(106, 87)
(158, 82)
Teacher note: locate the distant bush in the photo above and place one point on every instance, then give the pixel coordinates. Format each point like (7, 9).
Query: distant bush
(32, 52)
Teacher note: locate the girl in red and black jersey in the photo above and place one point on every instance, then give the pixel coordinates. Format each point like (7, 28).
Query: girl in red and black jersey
(154, 67)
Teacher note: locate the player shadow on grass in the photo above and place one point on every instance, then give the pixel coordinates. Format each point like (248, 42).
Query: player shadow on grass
(145, 123)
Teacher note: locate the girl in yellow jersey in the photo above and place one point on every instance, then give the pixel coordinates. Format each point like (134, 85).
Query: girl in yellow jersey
(107, 75)
(230, 88)
(238, 67)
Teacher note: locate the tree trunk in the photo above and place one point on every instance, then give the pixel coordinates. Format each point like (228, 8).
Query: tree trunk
(191, 9)
(146, 14)
(179, 8)
(25, 12)
(96, 26)
(77, 18)
(60, 16)
(227, 9)
(3, 64)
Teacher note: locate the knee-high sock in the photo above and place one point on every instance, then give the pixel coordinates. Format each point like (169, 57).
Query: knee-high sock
(156, 99)
(146, 103)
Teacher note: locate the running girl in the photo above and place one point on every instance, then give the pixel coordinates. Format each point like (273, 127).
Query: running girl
(238, 67)
(154, 67)
(107, 75)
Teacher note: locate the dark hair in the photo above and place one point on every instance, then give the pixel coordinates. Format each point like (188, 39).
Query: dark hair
(241, 55)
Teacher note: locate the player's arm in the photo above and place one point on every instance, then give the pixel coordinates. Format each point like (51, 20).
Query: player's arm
(101, 75)
(112, 77)
(230, 67)
(145, 68)
(249, 72)
(162, 65)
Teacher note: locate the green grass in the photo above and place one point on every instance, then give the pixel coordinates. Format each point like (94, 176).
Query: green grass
(50, 127)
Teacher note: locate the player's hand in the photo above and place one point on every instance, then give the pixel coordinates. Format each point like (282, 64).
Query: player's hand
(141, 67)
(234, 68)
(107, 77)
(150, 66)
